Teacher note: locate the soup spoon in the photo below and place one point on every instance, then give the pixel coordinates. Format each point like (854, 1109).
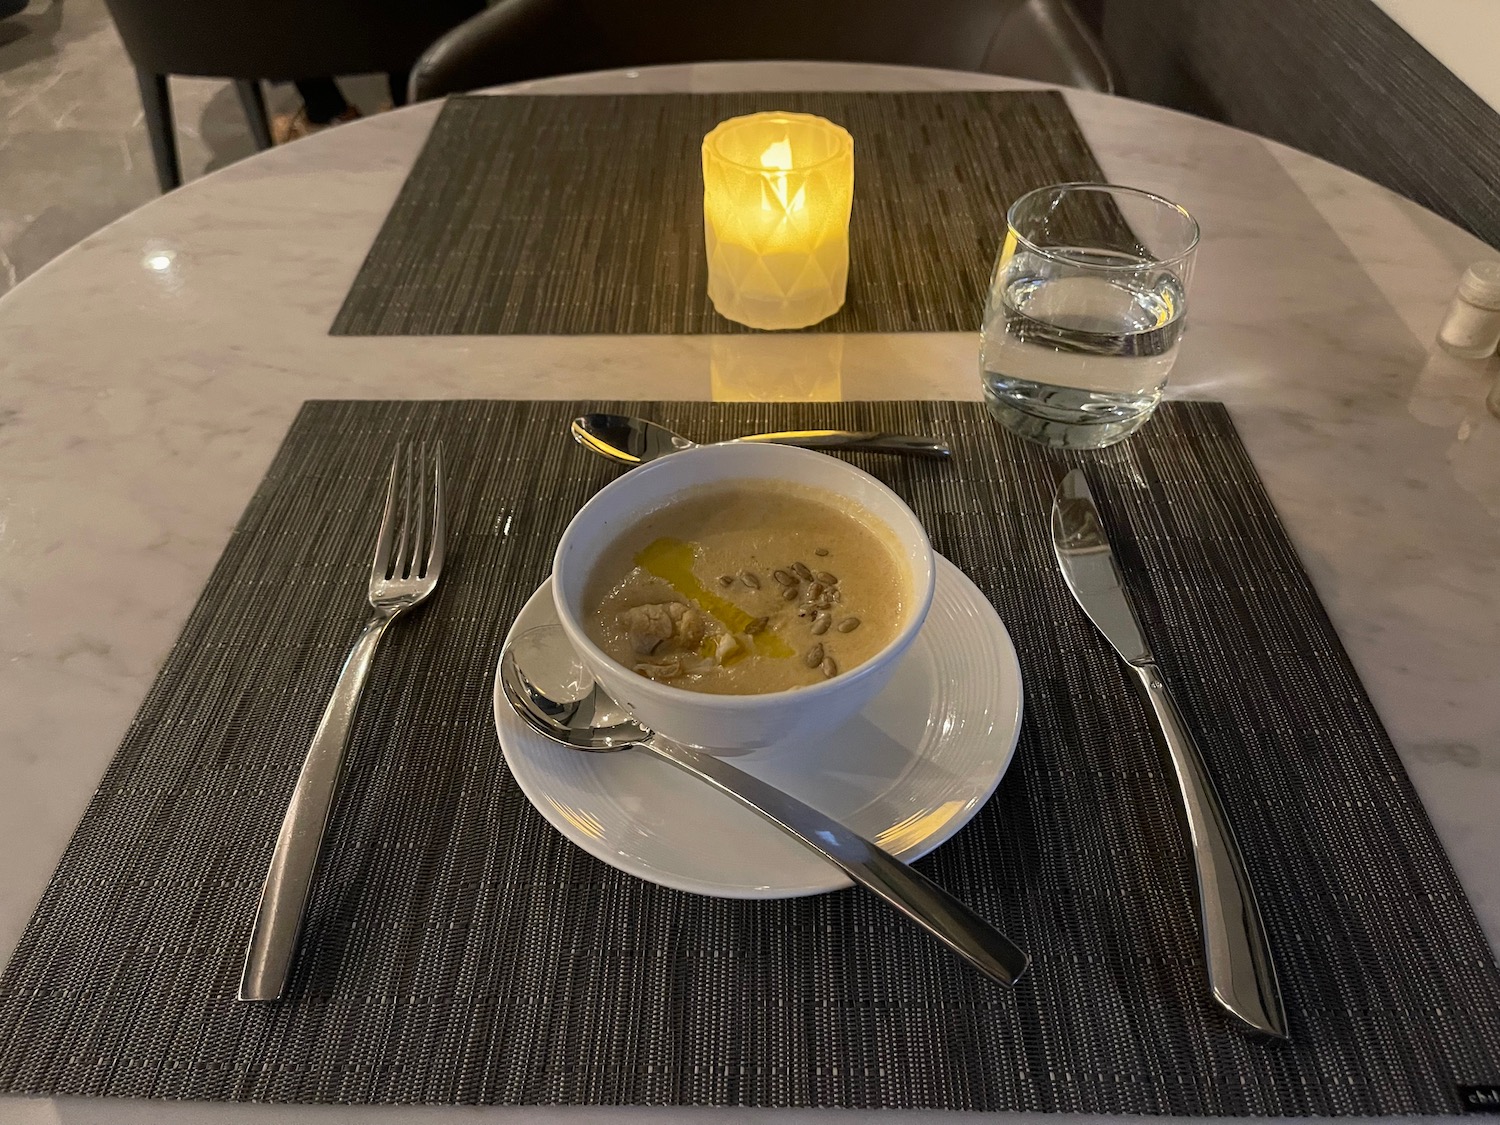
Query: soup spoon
(556, 696)
(634, 441)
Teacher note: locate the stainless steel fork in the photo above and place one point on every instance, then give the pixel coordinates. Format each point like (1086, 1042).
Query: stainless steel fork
(401, 575)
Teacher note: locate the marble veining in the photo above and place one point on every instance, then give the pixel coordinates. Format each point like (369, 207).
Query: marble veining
(150, 373)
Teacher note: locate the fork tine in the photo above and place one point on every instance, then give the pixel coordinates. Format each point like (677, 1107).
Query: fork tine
(399, 561)
(419, 534)
(381, 565)
(435, 553)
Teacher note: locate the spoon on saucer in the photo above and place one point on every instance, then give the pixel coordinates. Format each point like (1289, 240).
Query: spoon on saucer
(556, 696)
(634, 441)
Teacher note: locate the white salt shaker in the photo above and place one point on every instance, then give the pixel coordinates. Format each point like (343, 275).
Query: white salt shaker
(1471, 329)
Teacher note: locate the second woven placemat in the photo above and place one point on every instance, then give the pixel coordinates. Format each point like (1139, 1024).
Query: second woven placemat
(459, 950)
(577, 214)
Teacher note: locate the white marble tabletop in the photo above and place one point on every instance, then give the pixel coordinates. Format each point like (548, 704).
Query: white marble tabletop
(150, 373)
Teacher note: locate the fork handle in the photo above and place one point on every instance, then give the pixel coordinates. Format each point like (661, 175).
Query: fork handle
(283, 899)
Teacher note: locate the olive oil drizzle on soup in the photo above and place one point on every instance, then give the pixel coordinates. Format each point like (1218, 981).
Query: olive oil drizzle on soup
(745, 588)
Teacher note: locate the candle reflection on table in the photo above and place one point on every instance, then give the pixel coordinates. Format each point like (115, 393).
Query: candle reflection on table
(804, 367)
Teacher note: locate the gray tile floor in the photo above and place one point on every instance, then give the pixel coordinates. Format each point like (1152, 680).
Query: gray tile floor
(73, 148)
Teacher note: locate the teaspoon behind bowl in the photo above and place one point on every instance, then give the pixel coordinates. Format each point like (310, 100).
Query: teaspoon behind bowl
(564, 704)
(634, 441)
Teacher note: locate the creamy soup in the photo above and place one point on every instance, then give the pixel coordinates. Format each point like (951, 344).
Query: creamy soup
(748, 587)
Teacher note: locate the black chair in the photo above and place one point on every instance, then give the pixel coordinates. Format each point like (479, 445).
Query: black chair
(1044, 40)
(251, 40)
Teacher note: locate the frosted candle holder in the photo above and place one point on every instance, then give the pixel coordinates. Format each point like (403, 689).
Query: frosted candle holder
(777, 189)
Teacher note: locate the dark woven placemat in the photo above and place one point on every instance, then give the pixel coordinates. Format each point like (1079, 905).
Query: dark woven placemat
(583, 214)
(459, 950)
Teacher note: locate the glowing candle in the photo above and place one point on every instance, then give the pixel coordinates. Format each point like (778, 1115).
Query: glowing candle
(777, 188)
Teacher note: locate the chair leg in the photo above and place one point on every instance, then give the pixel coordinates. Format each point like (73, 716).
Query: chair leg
(158, 106)
(254, 104)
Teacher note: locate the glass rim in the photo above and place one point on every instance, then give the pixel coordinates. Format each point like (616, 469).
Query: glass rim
(1057, 255)
(712, 138)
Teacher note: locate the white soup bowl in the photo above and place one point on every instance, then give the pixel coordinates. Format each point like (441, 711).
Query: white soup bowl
(735, 724)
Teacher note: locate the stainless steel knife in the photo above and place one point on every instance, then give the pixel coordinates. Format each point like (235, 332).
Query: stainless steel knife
(1240, 970)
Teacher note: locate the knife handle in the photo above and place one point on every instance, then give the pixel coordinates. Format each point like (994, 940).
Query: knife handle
(1240, 970)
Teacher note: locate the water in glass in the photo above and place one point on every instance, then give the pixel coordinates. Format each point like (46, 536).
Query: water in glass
(1082, 358)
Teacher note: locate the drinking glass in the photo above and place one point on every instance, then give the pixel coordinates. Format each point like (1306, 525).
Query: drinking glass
(1086, 308)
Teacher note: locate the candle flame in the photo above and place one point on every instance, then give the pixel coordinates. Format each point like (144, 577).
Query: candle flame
(778, 158)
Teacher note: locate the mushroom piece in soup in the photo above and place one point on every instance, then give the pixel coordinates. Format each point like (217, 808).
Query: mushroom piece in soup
(748, 587)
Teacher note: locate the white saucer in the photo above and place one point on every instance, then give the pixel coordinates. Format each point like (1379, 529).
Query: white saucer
(907, 772)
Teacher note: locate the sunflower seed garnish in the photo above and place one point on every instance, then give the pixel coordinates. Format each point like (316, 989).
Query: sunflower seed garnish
(820, 624)
(790, 593)
(848, 625)
(830, 669)
(749, 579)
(814, 656)
(757, 626)
(821, 552)
(783, 577)
(802, 572)
(815, 591)
(827, 579)
(726, 580)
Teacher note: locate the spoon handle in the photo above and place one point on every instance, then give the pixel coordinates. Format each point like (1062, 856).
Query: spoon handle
(909, 891)
(867, 441)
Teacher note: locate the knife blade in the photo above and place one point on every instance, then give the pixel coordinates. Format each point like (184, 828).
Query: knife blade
(1241, 974)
